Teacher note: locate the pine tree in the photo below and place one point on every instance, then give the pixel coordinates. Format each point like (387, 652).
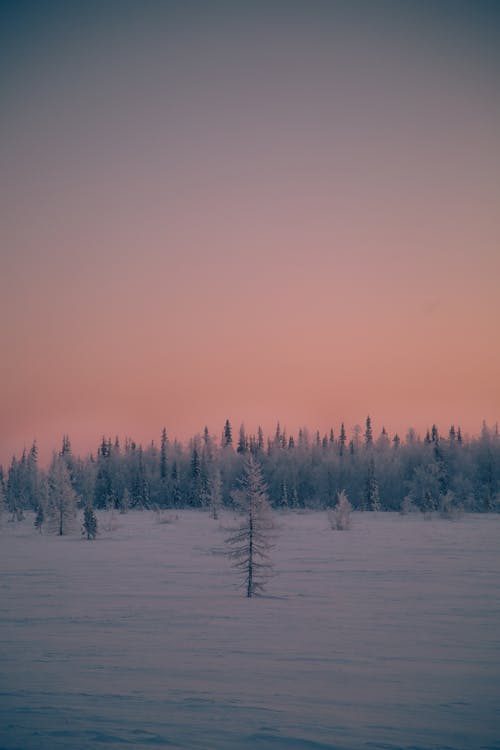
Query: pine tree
(14, 490)
(284, 502)
(295, 501)
(62, 498)
(3, 505)
(39, 518)
(227, 436)
(176, 487)
(342, 439)
(383, 441)
(66, 446)
(371, 498)
(249, 544)
(260, 439)
(284, 441)
(196, 488)
(125, 501)
(140, 485)
(368, 433)
(89, 527)
(242, 441)
(32, 476)
(163, 455)
(42, 501)
(208, 446)
(215, 493)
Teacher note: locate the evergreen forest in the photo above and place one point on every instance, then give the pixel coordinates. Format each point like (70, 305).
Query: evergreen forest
(435, 473)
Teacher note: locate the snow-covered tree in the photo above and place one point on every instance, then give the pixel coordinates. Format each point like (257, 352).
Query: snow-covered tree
(3, 505)
(42, 504)
(215, 493)
(368, 432)
(39, 518)
(14, 492)
(242, 440)
(227, 435)
(249, 544)
(342, 439)
(163, 455)
(448, 506)
(89, 526)
(62, 498)
(284, 501)
(340, 516)
(371, 498)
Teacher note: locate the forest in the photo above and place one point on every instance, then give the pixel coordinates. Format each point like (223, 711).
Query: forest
(446, 474)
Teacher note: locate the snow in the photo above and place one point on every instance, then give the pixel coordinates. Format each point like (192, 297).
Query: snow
(383, 636)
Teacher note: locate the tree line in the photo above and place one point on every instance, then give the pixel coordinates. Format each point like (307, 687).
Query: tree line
(377, 472)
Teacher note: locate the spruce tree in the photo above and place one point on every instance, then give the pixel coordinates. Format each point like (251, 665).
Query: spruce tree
(39, 518)
(260, 439)
(89, 527)
(284, 502)
(342, 439)
(215, 493)
(227, 436)
(163, 455)
(62, 498)
(371, 498)
(3, 506)
(368, 433)
(249, 544)
(66, 446)
(242, 441)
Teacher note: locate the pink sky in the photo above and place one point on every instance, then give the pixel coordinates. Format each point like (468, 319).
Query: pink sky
(248, 219)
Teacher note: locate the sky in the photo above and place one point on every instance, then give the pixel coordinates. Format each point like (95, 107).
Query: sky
(258, 211)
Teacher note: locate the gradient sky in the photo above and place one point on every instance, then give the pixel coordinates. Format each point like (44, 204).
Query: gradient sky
(253, 210)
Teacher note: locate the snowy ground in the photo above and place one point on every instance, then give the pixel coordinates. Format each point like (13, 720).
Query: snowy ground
(385, 636)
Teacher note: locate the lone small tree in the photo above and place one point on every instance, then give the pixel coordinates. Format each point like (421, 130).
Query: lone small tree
(340, 516)
(249, 545)
(62, 498)
(89, 527)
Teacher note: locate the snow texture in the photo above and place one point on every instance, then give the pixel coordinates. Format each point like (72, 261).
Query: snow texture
(386, 636)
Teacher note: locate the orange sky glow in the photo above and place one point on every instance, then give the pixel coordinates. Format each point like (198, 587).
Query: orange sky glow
(276, 213)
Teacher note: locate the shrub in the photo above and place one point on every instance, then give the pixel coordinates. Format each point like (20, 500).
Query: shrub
(340, 516)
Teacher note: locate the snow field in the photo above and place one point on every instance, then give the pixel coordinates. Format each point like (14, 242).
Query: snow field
(383, 636)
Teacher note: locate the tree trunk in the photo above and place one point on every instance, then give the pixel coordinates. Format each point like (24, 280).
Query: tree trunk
(250, 556)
